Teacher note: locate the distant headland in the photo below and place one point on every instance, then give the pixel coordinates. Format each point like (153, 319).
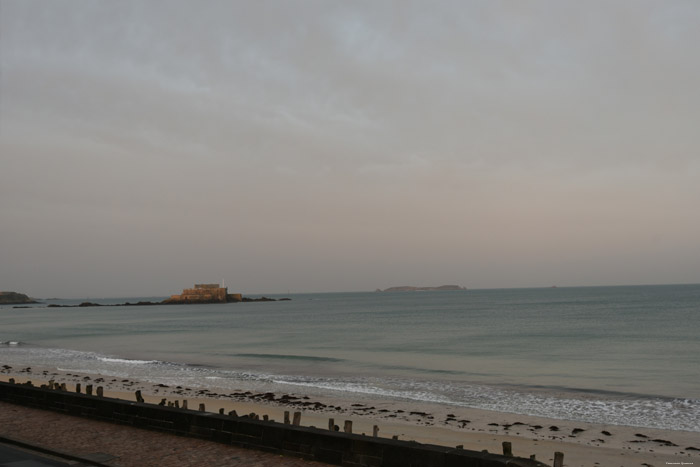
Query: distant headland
(15, 298)
(408, 288)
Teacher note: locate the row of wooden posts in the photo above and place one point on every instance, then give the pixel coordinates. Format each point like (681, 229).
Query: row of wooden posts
(347, 428)
(296, 420)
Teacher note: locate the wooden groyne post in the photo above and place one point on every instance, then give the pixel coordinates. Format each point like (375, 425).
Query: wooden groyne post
(507, 449)
(558, 459)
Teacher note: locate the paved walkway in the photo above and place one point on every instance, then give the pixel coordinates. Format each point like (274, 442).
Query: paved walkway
(123, 446)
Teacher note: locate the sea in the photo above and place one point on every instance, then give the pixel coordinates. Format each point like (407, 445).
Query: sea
(627, 355)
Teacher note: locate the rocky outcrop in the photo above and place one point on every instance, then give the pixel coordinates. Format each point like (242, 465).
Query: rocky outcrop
(15, 298)
(407, 288)
(234, 298)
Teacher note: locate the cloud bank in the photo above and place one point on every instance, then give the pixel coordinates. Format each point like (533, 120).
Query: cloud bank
(329, 146)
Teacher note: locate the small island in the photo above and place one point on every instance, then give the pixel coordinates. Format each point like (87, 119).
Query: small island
(15, 298)
(212, 293)
(408, 288)
(199, 294)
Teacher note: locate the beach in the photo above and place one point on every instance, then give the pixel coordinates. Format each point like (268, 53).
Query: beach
(583, 444)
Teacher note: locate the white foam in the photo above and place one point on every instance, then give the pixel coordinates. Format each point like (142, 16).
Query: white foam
(361, 389)
(130, 362)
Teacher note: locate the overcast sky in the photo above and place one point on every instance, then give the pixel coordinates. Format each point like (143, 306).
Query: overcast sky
(339, 146)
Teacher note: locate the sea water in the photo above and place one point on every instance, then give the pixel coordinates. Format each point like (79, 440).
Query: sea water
(614, 355)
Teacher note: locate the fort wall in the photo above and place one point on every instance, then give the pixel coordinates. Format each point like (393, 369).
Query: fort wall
(201, 293)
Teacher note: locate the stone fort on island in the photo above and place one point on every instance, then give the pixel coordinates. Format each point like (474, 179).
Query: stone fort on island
(205, 293)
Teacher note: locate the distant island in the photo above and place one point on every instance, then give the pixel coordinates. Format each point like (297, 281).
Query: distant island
(15, 298)
(200, 293)
(408, 288)
(212, 293)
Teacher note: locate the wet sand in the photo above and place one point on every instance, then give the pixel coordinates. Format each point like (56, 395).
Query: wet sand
(583, 444)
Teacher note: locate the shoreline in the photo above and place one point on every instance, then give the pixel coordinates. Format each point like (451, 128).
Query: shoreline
(583, 444)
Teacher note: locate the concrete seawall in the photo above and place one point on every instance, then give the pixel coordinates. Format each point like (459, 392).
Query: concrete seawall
(326, 446)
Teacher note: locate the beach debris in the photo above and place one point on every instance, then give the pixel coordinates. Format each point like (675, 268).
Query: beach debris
(576, 431)
(606, 433)
(553, 428)
(639, 435)
(664, 442)
(692, 448)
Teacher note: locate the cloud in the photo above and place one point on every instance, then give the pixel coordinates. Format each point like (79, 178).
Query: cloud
(490, 138)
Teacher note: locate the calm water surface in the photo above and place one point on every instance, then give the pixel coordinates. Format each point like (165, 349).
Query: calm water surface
(619, 355)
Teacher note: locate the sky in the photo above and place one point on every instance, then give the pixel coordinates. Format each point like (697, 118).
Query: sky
(317, 146)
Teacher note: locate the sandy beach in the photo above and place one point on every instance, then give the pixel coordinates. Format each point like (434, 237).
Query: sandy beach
(583, 444)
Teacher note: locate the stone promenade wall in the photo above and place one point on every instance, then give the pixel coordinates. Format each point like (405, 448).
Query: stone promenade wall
(326, 446)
